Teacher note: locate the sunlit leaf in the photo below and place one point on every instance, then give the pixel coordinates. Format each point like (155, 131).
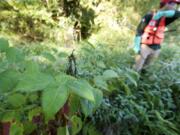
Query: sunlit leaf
(33, 80)
(82, 88)
(108, 74)
(53, 100)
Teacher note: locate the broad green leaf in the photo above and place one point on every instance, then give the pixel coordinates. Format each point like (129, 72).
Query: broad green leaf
(16, 100)
(74, 102)
(87, 107)
(48, 56)
(65, 79)
(98, 96)
(8, 80)
(16, 129)
(10, 116)
(100, 82)
(82, 88)
(32, 67)
(109, 74)
(14, 55)
(34, 112)
(30, 82)
(63, 131)
(76, 124)
(53, 100)
(4, 45)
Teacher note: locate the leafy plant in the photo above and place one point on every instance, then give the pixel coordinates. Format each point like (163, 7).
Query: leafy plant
(32, 94)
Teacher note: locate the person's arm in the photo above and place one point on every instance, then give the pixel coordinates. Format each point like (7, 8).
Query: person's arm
(137, 44)
(167, 14)
(172, 19)
(140, 30)
(177, 14)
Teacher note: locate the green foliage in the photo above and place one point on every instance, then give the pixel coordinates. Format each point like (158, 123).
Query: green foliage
(16, 129)
(76, 124)
(83, 89)
(63, 131)
(38, 20)
(33, 81)
(3, 45)
(108, 74)
(8, 80)
(150, 107)
(89, 129)
(34, 112)
(53, 99)
(10, 116)
(30, 91)
(106, 97)
(16, 100)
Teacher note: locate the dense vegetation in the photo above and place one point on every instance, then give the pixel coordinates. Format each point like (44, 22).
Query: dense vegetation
(46, 88)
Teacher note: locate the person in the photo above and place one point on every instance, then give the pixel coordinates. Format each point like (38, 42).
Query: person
(150, 33)
(77, 31)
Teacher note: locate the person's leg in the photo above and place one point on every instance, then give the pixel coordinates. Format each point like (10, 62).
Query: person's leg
(141, 58)
(154, 54)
